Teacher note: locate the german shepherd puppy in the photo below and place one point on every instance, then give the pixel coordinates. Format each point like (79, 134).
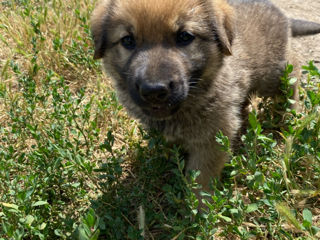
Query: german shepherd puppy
(186, 67)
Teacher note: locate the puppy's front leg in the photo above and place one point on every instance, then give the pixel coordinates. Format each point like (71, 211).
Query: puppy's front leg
(209, 158)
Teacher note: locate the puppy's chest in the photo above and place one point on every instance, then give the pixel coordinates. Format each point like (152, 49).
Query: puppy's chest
(190, 125)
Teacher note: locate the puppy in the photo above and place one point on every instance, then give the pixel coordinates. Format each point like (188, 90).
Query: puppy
(186, 67)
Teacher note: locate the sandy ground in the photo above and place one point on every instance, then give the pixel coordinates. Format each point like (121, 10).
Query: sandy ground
(307, 48)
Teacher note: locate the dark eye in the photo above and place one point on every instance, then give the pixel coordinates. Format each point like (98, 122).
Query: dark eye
(128, 42)
(184, 38)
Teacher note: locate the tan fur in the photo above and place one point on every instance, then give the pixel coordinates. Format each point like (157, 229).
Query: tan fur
(239, 49)
(225, 15)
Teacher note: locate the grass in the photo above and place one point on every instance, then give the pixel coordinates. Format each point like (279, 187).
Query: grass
(74, 166)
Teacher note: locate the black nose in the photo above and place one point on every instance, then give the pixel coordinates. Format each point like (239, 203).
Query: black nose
(154, 92)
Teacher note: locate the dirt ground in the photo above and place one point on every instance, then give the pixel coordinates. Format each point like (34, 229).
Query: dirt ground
(307, 48)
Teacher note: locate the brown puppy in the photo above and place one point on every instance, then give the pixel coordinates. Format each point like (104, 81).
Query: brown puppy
(186, 67)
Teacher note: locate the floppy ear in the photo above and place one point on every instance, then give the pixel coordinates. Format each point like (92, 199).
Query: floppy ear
(224, 15)
(98, 30)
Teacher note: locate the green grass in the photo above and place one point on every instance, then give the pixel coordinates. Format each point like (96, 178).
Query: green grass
(74, 166)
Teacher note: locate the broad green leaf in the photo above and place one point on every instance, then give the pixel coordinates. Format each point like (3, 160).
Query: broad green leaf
(227, 219)
(39, 203)
(42, 226)
(29, 220)
(10, 205)
(252, 207)
(307, 215)
(234, 211)
(292, 81)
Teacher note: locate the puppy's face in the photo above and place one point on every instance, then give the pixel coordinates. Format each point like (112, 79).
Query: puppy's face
(158, 51)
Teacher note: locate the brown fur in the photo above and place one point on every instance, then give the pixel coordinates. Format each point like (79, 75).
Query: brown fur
(240, 47)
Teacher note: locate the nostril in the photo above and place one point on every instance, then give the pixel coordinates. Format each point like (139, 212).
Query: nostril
(154, 92)
(171, 85)
(162, 95)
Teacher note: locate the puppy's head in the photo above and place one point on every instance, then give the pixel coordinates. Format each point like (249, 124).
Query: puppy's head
(157, 52)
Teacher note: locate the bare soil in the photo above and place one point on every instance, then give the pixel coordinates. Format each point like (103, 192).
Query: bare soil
(307, 48)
